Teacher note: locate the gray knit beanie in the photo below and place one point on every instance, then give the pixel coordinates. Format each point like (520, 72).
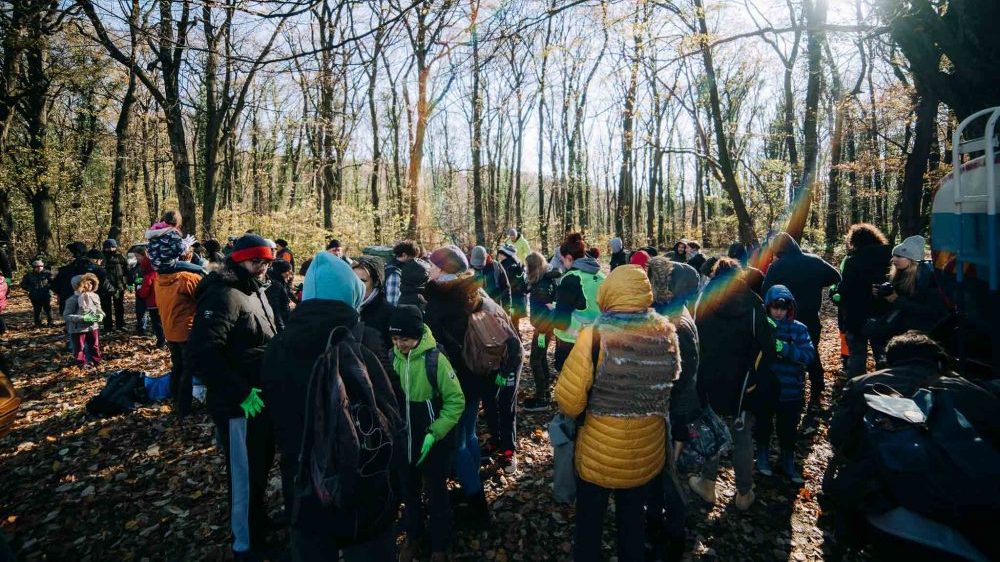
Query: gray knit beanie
(912, 248)
(478, 259)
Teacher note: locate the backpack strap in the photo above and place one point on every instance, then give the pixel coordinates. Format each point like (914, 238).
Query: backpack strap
(431, 359)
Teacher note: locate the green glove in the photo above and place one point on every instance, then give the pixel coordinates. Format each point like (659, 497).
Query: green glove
(500, 380)
(772, 322)
(426, 447)
(779, 345)
(90, 317)
(541, 341)
(836, 298)
(252, 405)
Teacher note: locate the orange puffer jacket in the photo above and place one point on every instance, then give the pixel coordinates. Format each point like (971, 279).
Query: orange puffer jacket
(612, 452)
(175, 299)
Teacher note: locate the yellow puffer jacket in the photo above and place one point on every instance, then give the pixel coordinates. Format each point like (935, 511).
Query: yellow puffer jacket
(611, 452)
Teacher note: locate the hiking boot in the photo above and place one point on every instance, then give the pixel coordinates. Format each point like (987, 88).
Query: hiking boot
(508, 461)
(536, 405)
(408, 550)
(744, 501)
(788, 467)
(705, 489)
(763, 462)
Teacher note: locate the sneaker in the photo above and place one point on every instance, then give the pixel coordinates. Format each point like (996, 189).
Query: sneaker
(788, 467)
(508, 460)
(764, 463)
(744, 501)
(705, 489)
(536, 405)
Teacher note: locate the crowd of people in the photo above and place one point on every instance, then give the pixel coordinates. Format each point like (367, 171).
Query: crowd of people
(369, 378)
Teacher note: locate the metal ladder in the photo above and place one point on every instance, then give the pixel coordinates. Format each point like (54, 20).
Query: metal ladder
(988, 145)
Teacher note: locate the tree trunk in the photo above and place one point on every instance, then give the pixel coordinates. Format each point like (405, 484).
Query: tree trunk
(477, 135)
(726, 166)
(816, 18)
(912, 186)
(121, 149)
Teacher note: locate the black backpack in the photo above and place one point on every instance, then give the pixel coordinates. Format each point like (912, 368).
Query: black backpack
(939, 467)
(515, 277)
(345, 461)
(120, 393)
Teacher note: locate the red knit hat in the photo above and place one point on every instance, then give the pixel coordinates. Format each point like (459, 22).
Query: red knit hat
(251, 246)
(640, 258)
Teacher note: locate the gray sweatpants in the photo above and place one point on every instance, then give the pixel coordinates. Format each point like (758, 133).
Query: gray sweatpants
(742, 455)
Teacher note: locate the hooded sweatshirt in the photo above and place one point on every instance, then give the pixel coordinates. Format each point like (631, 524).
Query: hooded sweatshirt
(789, 364)
(429, 409)
(572, 302)
(805, 275)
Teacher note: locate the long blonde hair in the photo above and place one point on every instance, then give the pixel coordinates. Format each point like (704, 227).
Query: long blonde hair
(904, 281)
(537, 267)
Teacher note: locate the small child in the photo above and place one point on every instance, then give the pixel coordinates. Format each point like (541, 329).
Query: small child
(38, 284)
(794, 352)
(434, 403)
(83, 315)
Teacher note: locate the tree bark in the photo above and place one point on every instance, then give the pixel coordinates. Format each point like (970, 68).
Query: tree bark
(912, 186)
(816, 18)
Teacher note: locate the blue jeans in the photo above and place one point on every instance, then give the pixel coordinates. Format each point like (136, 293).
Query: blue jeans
(466, 462)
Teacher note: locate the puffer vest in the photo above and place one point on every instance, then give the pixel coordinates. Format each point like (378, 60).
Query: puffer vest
(641, 361)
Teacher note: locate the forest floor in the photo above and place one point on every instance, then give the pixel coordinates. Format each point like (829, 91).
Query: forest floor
(139, 487)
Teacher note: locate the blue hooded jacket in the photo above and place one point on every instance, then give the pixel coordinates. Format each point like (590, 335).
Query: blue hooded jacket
(798, 350)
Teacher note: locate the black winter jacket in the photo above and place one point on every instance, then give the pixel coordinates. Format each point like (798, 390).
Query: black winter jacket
(684, 403)
(540, 296)
(732, 330)
(492, 279)
(864, 267)
(924, 309)
(280, 297)
(376, 315)
(38, 285)
(286, 369)
(233, 323)
(806, 275)
(619, 258)
(117, 270)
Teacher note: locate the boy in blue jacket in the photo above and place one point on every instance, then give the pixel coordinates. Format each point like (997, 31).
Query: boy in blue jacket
(795, 351)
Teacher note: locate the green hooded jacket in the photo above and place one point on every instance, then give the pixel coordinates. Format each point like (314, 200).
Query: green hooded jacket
(411, 370)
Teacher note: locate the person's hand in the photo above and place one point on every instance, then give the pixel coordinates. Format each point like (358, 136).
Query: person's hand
(772, 322)
(502, 379)
(90, 317)
(252, 404)
(835, 298)
(779, 346)
(541, 341)
(426, 447)
(891, 297)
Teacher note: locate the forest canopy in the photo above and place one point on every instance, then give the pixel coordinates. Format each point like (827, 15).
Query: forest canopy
(452, 121)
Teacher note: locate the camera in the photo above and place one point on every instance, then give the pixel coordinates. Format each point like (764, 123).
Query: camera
(884, 290)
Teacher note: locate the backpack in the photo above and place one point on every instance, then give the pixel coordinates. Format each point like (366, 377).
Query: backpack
(485, 348)
(929, 457)
(120, 393)
(346, 455)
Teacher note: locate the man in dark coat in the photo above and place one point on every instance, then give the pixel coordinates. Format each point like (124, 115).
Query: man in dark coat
(233, 323)
(807, 276)
(374, 309)
(279, 292)
(331, 295)
(116, 267)
(38, 284)
(733, 332)
(62, 285)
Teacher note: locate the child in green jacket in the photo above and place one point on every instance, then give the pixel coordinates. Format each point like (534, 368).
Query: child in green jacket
(434, 403)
